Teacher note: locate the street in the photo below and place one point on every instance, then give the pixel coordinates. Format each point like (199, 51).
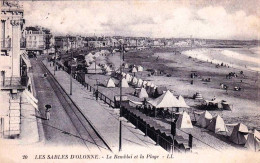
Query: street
(65, 126)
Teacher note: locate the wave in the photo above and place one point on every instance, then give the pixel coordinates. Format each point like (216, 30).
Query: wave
(227, 57)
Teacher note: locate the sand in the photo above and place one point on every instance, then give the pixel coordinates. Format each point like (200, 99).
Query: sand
(244, 104)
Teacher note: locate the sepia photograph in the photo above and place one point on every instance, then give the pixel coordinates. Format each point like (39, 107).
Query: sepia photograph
(130, 81)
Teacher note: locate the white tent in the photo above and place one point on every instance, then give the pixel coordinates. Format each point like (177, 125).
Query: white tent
(253, 141)
(89, 58)
(182, 102)
(143, 93)
(148, 84)
(217, 124)
(134, 81)
(128, 77)
(184, 121)
(204, 119)
(92, 69)
(97, 54)
(123, 74)
(166, 100)
(152, 85)
(105, 66)
(124, 83)
(139, 83)
(126, 65)
(140, 68)
(144, 84)
(134, 70)
(239, 134)
(108, 70)
(110, 83)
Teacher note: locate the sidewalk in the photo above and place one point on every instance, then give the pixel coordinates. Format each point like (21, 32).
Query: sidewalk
(106, 120)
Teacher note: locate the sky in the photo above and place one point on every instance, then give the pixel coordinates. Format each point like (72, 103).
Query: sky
(212, 19)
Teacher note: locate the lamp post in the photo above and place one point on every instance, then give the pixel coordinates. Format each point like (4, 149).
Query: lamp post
(121, 114)
(55, 52)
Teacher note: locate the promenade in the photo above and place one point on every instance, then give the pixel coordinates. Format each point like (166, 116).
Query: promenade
(106, 119)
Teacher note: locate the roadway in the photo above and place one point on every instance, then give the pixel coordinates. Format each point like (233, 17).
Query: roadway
(67, 126)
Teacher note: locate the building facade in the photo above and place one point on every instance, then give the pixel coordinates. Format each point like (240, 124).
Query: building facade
(13, 67)
(37, 39)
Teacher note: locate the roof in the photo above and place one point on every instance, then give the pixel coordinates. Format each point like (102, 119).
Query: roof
(182, 102)
(143, 93)
(166, 100)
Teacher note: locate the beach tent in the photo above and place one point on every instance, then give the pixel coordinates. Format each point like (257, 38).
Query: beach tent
(97, 54)
(166, 100)
(182, 102)
(126, 65)
(239, 134)
(253, 141)
(139, 83)
(150, 90)
(217, 124)
(204, 119)
(128, 77)
(105, 66)
(92, 69)
(89, 58)
(144, 84)
(134, 81)
(148, 84)
(134, 70)
(123, 74)
(184, 121)
(152, 85)
(124, 83)
(198, 96)
(143, 93)
(159, 91)
(108, 70)
(140, 68)
(110, 83)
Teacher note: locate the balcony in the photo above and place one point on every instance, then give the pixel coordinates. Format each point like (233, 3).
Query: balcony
(14, 82)
(6, 43)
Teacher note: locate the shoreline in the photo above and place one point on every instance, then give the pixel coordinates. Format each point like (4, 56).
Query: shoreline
(179, 82)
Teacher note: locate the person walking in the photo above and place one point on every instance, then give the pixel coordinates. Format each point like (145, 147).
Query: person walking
(47, 112)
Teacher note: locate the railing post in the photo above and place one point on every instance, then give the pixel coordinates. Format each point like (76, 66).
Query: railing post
(145, 129)
(190, 141)
(120, 135)
(172, 148)
(157, 139)
(173, 128)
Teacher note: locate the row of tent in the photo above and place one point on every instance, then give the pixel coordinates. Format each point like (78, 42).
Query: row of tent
(240, 134)
(94, 68)
(133, 80)
(136, 69)
(90, 57)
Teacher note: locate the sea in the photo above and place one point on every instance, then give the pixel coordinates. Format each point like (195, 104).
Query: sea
(242, 58)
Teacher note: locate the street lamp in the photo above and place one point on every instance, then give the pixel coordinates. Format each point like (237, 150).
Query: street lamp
(120, 114)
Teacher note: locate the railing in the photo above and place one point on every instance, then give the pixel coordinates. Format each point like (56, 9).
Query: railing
(6, 43)
(81, 79)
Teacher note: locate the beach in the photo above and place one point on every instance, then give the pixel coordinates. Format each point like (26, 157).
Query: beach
(244, 103)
